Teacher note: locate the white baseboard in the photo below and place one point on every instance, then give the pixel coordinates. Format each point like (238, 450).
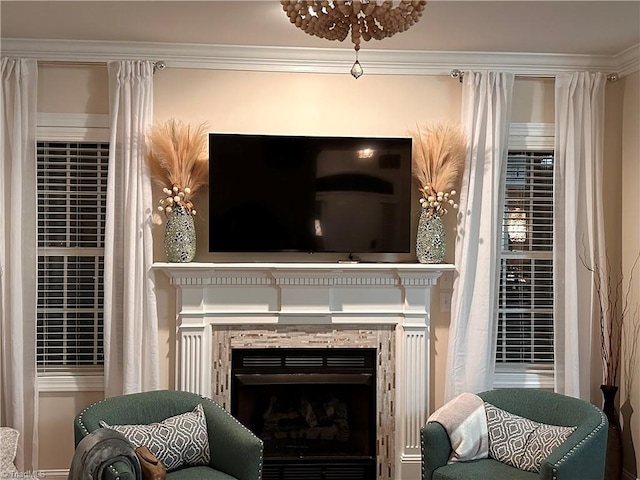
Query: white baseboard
(62, 474)
(55, 474)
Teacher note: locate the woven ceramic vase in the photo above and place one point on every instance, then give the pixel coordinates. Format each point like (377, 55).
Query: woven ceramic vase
(180, 236)
(430, 238)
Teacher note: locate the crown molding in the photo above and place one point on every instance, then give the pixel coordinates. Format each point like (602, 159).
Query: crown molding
(628, 61)
(318, 60)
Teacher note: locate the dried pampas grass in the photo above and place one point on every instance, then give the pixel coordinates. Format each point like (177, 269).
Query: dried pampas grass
(177, 156)
(439, 154)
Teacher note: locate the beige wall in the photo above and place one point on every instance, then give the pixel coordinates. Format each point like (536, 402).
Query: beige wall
(612, 179)
(258, 102)
(57, 411)
(73, 89)
(533, 100)
(630, 180)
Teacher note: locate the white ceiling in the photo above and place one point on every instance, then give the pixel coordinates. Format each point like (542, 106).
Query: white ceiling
(551, 27)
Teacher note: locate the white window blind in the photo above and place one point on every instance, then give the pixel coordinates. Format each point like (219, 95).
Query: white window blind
(71, 190)
(525, 303)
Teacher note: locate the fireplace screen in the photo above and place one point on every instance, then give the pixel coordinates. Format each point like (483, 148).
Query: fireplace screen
(313, 407)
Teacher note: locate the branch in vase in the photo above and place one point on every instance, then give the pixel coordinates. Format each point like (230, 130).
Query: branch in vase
(631, 335)
(614, 312)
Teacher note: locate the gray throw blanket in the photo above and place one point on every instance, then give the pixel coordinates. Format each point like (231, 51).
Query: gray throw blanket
(97, 451)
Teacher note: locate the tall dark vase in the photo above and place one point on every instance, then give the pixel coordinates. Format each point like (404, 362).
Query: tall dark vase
(613, 468)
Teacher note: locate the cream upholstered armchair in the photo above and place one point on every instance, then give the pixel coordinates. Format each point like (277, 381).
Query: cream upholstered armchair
(580, 457)
(200, 440)
(8, 447)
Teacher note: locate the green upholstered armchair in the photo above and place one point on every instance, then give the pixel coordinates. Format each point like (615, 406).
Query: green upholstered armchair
(236, 453)
(580, 457)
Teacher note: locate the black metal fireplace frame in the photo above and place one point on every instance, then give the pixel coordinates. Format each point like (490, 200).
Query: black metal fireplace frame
(256, 367)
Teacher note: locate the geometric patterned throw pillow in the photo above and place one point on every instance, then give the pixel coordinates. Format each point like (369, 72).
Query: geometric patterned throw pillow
(542, 442)
(520, 442)
(176, 441)
(508, 434)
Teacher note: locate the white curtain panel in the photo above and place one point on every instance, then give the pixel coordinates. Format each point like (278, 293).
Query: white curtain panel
(130, 315)
(18, 259)
(486, 112)
(578, 226)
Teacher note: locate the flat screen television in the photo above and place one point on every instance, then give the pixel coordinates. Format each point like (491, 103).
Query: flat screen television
(275, 193)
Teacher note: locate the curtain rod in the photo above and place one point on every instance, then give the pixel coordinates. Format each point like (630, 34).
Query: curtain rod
(455, 73)
(159, 65)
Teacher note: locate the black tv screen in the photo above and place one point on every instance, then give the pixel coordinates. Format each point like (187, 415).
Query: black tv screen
(274, 193)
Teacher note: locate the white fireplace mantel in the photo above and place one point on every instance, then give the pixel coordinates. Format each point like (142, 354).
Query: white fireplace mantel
(363, 295)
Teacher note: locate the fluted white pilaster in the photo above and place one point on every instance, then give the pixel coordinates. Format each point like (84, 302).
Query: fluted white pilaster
(194, 365)
(413, 337)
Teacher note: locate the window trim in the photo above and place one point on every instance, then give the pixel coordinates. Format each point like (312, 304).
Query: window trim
(70, 382)
(532, 136)
(524, 376)
(529, 137)
(72, 127)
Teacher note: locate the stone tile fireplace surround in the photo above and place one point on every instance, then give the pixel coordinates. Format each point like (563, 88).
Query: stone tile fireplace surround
(222, 306)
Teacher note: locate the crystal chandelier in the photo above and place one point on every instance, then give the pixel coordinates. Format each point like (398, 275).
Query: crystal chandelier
(365, 19)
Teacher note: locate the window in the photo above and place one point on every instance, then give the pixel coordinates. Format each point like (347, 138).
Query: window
(524, 353)
(71, 195)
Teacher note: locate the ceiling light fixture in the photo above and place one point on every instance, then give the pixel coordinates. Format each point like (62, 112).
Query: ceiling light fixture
(365, 19)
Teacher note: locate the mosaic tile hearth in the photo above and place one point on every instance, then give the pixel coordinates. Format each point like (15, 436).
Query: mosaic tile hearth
(382, 338)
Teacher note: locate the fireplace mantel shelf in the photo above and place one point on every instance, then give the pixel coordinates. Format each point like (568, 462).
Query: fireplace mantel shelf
(320, 266)
(184, 274)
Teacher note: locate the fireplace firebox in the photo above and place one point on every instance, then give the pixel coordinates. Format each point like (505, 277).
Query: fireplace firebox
(314, 408)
